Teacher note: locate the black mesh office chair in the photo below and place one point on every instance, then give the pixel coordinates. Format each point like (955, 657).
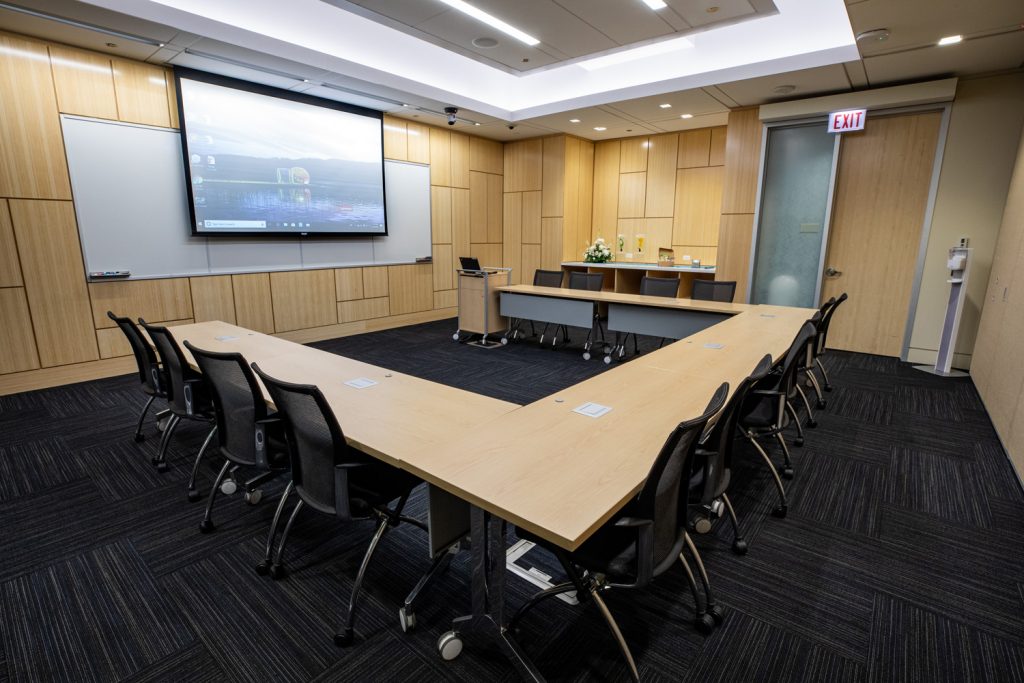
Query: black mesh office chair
(768, 410)
(248, 435)
(333, 478)
(591, 282)
(645, 538)
(713, 290)
(820, 343)
(541, 278)
(808, 366)
(667, 287)
(151, 375)
(709, 483)
(187, 397)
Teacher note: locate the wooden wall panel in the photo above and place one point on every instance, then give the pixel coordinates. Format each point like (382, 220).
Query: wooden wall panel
(698, 205)
(734, 235)
(694, 148)
(494, 203)
(531, 262)
(395, 139)
(375, 282)
(512, 234)
(440, 157)
(717, 154)
(172, 98)
(17, 344)
(661, 176)
(51, 264)
(418, 142)
(446, 299)
(141, 91)
(657, 232)
(114, 344)
(551, 243)
(523, 165)
(570, 198)
(461, 231)
(632, 195)
(460, 160)
(606, 188)
(348, 284)
(553, 182)
(742, 157)
(489, 255)
(440, 215)
(633, 157)
(253, 308)
(166, 299)
(32, 163)
(84, 82)
(303, 299)
(10, 267)
(478, 194)
(531, 214)
(443, 267)
(410, 288)
(363, 309)
(486, 155)
(212, 298)
(586, 197)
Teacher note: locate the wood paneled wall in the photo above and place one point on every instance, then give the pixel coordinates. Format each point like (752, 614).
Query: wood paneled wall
(53, 324)
(997, 366)
(739, 197)
(666, 187)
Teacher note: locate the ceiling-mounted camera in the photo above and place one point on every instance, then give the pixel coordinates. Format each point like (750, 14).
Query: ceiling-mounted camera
(451, 111)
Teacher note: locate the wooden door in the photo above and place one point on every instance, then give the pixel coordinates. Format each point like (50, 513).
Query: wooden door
(880, 199)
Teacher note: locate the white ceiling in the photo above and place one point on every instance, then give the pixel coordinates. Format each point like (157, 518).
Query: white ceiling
(993, 42)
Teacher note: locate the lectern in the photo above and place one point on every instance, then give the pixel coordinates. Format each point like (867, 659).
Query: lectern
(478, 305)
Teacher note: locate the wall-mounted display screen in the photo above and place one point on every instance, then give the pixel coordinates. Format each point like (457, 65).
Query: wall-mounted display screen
(262, 161)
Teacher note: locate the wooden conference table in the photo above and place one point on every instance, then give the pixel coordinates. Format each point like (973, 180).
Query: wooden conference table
(542, 466)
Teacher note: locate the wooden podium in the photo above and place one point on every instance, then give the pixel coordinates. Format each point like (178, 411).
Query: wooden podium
(479, 306)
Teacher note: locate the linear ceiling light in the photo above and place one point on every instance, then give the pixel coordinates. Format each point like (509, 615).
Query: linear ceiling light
(950, 40)
(492, 21)
(655, 4)
(81, 24)
(623, 56)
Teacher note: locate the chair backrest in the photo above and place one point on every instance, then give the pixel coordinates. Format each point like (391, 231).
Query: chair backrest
(547, 278)
(238, 404)
(798, 353)
(145, 356)
(592, 282)
(664, 496)
(316, 444)
(826, 320)
(176, 369)
(714, 290)
(659, 286)
(714, 456)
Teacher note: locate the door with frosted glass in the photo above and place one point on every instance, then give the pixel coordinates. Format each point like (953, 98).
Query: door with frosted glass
(793, 215)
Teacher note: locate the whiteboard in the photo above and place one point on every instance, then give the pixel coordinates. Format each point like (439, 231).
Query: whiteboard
(130, 200)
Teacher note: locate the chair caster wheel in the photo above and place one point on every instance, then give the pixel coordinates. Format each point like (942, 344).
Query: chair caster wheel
(228, 487)
(449, 645)
(705, 623)
(739, 546)
(787, 472)
(206, 526)
(812, 423)
(607, 360)
(455, 337)
(717, 614)
(504, 341)
(277, 572)
(779, 512)
(193, 495)
(822, 404)
(798, 441)
(254, 497)
(161, 467)
(586, 355)
(344, 638)
(140, 437)
(263, 568)
(407, 620)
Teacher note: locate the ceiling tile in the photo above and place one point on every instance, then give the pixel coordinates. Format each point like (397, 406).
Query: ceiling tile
(620, 21)
(697, 14)
(460, 30)
(856, 73)
(551, 23)
(231, 70)
(700, 121)
(808, 82)
(683, 102)
(71, 35)
(409, 13)
(969, 57)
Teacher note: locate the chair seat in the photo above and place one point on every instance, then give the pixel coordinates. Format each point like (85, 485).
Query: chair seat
(611, 551)
(697, 486)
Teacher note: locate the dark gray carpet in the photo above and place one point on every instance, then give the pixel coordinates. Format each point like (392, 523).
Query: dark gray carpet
(902, 558)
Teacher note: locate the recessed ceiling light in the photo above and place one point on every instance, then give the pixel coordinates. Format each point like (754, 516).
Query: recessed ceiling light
(485, 42)
(875, 35)
(492, 21)
(950, 40)
(783, 89)
(655, 4)
(599, 128)
(664, 47)
(111, 44)
(476, 123)
(574, 120)
(665, 106)
(686, 116)
(712, 10)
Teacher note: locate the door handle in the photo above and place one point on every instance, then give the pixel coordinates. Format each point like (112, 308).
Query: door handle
(832, 272)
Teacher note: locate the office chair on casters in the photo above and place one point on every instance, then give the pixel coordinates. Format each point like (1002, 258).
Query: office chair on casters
(644, 540)
(713, 290)
(768, 410)
(591, 282)
(151, 375)
(332, 478)
(541, 278)
(667, 287)
(807, 368)
(249, 437)
(187, 397)
(819, 346)
(710, 480)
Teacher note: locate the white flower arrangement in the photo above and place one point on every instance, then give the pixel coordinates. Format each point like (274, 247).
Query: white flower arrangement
(598, 252)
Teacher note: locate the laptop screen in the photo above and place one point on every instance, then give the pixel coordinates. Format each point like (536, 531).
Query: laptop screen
(469, 263)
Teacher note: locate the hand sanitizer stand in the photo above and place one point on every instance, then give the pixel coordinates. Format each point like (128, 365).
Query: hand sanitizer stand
(959, 266)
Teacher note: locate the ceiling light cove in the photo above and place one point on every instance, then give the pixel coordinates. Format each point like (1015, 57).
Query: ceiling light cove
(492, 21)
(655, 4)
(664, 47)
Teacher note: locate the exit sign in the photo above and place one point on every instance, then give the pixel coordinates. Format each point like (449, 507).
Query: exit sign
(845, 121)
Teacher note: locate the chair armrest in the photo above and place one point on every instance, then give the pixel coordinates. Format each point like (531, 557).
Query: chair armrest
(342, 503)
(262, 445)
(191, 387)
